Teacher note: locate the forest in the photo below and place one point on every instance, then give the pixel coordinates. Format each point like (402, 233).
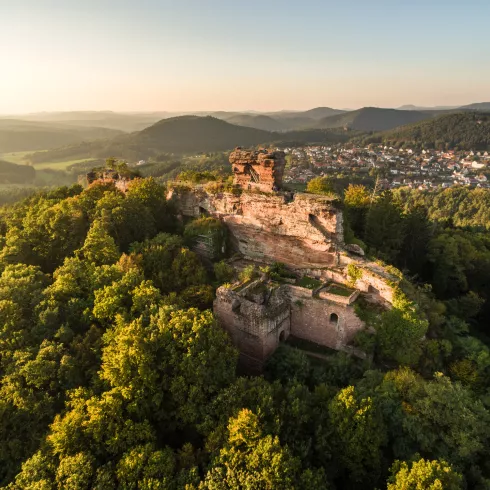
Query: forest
(458, 131)
(115, 375)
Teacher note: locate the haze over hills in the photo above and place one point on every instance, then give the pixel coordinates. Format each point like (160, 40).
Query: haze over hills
(284, 120)
(258, 121)
(411, 107)
(102, 119)
(72, 134)
(185, 134)
(18, 135)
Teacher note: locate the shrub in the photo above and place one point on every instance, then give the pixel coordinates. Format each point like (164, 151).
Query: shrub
(248, 273)
(322, 186)
(354, 273)
(210, 228)
(223, 272)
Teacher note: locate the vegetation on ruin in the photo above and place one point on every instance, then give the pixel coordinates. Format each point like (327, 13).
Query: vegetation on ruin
(224, 272)
(278, 272)
(308, 282)
(340, 290)
(248, 273)
(212, 230)
(114, 374)
(354, 272)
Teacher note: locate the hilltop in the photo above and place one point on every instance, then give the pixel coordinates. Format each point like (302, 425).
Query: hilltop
(463, 130)
(479, 106)
(371, 119)
(257, 121)
(194, 134)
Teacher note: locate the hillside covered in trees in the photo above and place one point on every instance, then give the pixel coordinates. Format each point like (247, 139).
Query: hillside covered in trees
(10, 173)
(114, 373)
(371, 119)
(461, 130)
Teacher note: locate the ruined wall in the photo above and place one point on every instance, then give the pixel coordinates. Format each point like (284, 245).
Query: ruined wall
(306, 231)
(257, 326)
(255, 329)
(311, 320)
(376, 281)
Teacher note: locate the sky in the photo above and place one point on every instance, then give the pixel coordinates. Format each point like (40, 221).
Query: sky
(264, 55)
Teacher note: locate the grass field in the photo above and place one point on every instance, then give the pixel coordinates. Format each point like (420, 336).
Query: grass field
(19, 158)
(16, 157)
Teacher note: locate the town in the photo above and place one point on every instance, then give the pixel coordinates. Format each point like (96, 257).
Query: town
(418, 169)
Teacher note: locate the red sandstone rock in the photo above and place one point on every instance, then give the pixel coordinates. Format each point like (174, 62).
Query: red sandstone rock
(260, 169)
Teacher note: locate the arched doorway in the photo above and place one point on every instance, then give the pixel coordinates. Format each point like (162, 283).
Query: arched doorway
(334, 319)
(282, 336)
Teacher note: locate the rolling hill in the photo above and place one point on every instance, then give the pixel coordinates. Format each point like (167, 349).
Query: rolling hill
(479, 106)
(411, 107)
(372, 119)
(463, 130)
(194, 134)
(19, 135)
(184, 135)
(276, 121)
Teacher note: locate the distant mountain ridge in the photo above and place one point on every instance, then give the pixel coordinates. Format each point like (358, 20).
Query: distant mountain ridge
(411, 107)
(194, 134)
(285, 120)
(479, 106)
(371, 119)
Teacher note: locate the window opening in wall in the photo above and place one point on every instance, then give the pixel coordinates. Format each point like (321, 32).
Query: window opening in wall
(281, 336)
(334, 319)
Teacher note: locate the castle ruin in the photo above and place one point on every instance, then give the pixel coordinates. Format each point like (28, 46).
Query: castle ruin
(304, 232)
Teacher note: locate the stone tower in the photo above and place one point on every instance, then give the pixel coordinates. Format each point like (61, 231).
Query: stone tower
(261, 170)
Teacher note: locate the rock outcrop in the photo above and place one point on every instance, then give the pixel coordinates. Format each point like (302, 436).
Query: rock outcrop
(260, 170)
(305, 232)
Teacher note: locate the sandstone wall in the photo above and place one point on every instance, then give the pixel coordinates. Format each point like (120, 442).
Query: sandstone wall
(254, 329)
(345, 300)
(310, 320)
(304, 232)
